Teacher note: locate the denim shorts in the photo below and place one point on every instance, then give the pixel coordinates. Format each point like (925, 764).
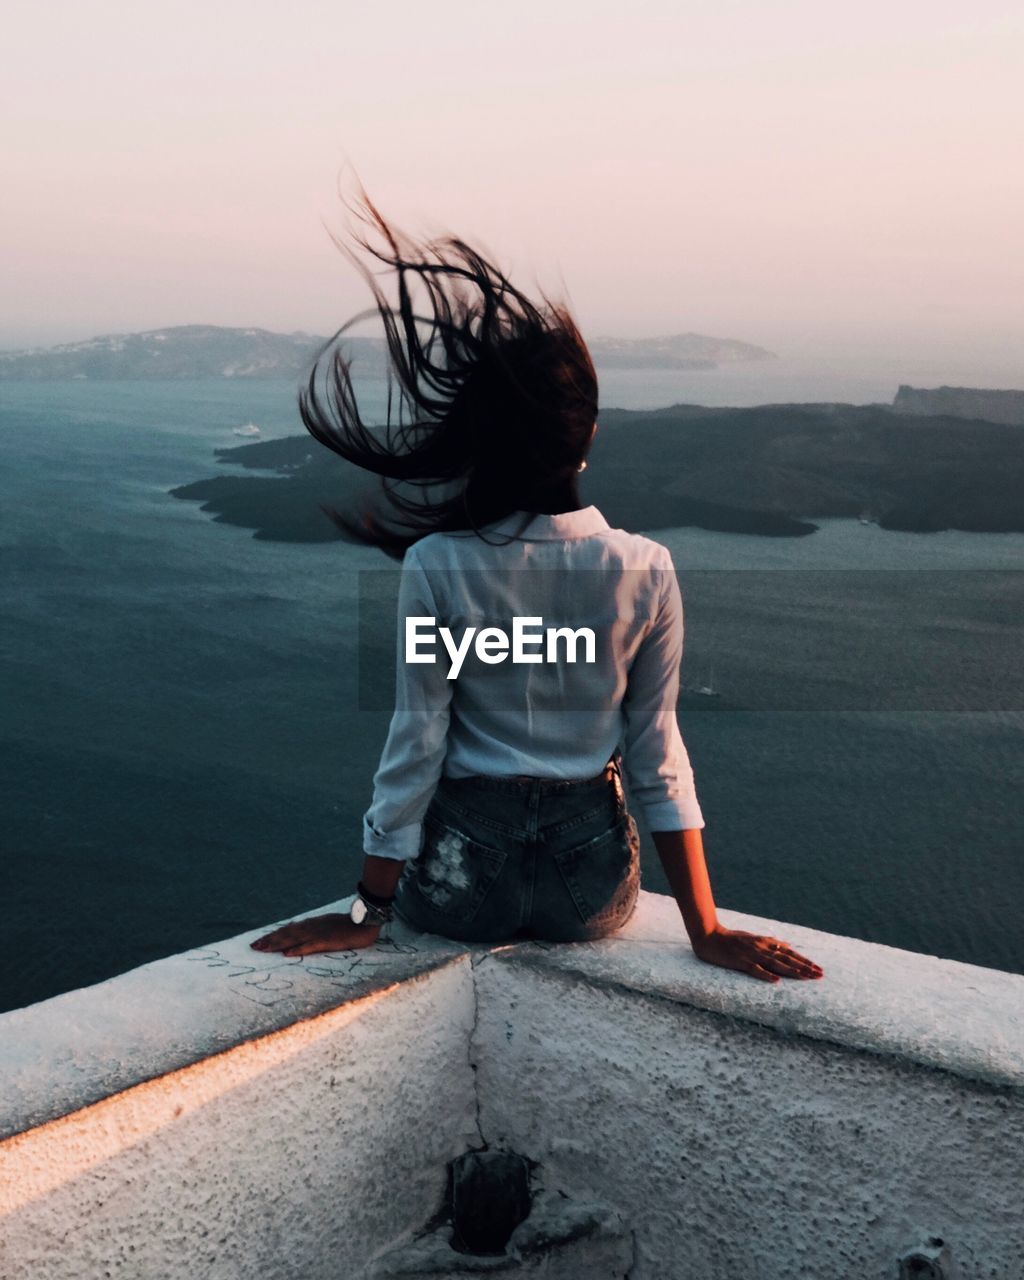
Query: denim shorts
(505, 857)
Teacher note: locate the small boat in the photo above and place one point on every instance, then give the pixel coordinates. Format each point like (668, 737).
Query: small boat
(704, 690)
(250, 429)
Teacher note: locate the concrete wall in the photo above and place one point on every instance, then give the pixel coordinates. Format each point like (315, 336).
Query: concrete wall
(737, 1150)
(321, 1127)
(218, 1116)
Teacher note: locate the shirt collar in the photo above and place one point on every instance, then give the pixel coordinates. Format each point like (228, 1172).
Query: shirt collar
(563, 524)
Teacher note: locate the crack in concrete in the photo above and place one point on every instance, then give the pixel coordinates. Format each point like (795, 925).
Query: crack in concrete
(628, 1273)
(472, 1049)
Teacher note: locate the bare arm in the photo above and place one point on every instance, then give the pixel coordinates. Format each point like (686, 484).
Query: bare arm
(765, 957)
(657, 760)
(403, 784)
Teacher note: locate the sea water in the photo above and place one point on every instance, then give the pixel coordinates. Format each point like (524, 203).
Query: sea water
(184, 756)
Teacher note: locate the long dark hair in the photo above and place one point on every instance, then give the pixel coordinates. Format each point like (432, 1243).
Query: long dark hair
(502, 394)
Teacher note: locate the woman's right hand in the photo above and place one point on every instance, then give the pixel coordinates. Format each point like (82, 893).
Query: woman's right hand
(332, 932)
(760, 955)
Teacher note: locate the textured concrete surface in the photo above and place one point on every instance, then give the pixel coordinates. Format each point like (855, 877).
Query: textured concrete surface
(937, 1012)
(734, 1149)
(64, 1053)
(298, 1154)
(228, 1115)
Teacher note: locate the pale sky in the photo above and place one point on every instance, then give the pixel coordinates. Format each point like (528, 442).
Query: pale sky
(765, 171)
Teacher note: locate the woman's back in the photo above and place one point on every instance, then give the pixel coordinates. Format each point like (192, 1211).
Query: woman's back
(565, 707)
(557, 711)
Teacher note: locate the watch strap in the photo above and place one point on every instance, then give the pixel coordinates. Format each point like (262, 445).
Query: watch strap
(374, 899)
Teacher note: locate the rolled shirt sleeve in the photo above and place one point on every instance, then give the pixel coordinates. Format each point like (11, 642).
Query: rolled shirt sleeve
(414, 751)
(657, 764)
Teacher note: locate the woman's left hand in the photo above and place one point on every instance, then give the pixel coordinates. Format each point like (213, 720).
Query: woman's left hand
(333, 932)
(760, 955)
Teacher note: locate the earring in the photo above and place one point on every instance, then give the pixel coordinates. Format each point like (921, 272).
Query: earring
(582, 466)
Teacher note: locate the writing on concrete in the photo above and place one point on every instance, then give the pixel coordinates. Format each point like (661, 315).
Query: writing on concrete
(270, 984)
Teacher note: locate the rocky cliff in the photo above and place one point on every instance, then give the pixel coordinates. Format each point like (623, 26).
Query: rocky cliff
(962, 402)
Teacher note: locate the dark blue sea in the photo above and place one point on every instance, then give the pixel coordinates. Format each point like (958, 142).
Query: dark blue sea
(184, 757)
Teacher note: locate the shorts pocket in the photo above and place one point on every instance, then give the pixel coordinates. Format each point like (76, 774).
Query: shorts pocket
(603, 874)
(453, 873)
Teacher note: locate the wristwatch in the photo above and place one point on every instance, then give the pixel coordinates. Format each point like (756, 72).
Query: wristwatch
(369, 909)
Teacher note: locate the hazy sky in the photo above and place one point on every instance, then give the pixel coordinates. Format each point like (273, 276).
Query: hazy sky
(787, 171)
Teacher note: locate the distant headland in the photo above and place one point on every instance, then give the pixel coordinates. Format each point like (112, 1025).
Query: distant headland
(767, 470)
(963, 402)
(211, 351)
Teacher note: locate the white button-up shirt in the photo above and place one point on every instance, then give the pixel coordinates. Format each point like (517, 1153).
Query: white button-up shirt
(550, 719)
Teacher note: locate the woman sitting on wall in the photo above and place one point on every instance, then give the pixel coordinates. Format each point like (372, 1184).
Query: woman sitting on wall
(498, 807)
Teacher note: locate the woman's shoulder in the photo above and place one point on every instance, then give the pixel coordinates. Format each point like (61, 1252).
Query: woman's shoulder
(444, 550)
(639, 550)
(436, 551)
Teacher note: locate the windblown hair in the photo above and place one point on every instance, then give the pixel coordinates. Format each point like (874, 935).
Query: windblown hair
(501, 395)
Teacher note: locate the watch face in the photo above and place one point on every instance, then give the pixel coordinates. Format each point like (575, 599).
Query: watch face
(358, 911)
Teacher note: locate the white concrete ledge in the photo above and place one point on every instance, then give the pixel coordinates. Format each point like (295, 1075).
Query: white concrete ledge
(230, 1114)
(66, 1052)
(74, 1049)
(935, 1012)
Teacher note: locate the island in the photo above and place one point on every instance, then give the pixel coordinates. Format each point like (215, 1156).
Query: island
(768, 470)
(182, 352)
(213, 351)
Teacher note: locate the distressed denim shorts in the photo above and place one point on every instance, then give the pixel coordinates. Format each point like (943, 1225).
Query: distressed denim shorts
(505, 857)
